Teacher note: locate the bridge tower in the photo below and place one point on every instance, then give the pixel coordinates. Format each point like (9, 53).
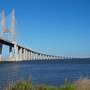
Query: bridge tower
(8, 30)
(2, 23)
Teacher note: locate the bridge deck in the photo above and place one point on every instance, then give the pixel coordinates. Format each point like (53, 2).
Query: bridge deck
(6, 42)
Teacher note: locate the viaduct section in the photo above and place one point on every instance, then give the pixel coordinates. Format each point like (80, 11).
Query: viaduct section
(16, 51)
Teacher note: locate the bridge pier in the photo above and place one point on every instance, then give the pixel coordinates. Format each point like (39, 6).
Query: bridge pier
(20, 54)
(30, 55)
(0, 52)
(27, 55)
(40, 57)
(10, 53)
(33, 56)
(36, 56)
(24, 54)
(15, 52)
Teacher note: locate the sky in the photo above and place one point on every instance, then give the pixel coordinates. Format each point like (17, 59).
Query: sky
(56, 27)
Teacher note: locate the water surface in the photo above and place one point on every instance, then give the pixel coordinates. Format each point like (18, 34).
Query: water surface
(52, 72)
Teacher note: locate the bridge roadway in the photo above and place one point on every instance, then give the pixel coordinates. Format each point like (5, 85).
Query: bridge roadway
(23, 53)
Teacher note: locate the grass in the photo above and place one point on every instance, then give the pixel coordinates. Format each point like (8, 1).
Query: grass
(81, 84)
(27, 85)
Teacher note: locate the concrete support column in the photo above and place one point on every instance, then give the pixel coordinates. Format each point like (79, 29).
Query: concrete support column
(36, 56)
(44, 57)
(27, 54)
(0, 52)
(52, 57)
(48, 58)
(24, 54)
(30, 57)
(15, 52)
(41, 57)
(10, 53)
(33, 55)
(20, 54)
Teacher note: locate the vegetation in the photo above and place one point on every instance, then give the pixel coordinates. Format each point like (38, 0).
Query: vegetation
(27, 85)
(82, 84)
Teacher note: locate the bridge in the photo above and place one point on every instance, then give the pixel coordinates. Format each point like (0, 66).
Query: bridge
(18, 52)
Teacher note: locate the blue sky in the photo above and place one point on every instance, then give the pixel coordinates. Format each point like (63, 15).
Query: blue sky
(59, 27)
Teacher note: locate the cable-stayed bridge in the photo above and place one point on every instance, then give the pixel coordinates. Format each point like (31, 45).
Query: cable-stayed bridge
(19, 52)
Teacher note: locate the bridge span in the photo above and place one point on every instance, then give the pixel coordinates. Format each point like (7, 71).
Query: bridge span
(18, 52)
(22, 53)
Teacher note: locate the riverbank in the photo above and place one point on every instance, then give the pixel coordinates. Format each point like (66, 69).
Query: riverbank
(81, 84)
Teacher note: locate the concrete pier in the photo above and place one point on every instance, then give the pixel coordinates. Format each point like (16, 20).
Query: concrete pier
(10, 53)
(0, 52)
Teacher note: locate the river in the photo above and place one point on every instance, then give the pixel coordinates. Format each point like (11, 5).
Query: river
(51, 72)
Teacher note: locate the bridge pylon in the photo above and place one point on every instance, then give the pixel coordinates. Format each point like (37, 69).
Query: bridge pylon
(8, 30)
(5, 29)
